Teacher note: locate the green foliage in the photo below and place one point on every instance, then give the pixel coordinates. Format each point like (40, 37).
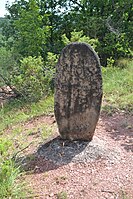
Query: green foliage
(79, 37)
(106, 25)
(34, 78)
(114, 46)
(51, 61)
(1, 40)
(49, 67)
(31, 81)
(110, 62)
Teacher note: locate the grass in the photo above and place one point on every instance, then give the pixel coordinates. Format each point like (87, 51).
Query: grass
(16, 111)
(118, 88)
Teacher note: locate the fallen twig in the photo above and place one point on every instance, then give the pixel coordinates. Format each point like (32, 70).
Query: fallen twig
(107, 191)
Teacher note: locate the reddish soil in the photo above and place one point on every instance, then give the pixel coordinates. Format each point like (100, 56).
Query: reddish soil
(101, 178)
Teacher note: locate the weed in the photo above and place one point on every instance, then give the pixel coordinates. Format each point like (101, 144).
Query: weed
(62, 195)
(123, 195)
(4, 147)
(8, 175)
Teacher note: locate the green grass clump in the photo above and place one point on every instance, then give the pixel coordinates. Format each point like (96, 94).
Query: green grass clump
(8, 176)
(118, 88)
(9, 188)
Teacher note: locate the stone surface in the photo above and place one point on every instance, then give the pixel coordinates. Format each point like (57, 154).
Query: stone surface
(78, 92)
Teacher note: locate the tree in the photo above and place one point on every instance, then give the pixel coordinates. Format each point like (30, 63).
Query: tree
(26, 27)
(111, 22)
(30, 33)
(108, 21)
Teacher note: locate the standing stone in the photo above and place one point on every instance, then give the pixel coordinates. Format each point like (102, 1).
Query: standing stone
(78, 92)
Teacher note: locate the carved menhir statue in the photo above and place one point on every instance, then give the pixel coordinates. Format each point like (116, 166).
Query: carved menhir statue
(78, 92)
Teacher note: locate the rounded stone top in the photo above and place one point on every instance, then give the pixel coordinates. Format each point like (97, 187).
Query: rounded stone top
(83, 48)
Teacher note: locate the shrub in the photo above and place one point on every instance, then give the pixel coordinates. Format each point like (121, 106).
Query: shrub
(113, 45)
(49, 66)
(30, 81)
(34, 78)
(79, 37)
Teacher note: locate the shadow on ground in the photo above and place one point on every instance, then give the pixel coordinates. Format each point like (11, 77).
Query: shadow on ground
(52, 154)
(57, 152)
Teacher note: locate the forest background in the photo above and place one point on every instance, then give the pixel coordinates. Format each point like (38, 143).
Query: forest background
(34, 32)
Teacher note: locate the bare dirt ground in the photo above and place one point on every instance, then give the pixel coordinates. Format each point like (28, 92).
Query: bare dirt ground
(100, 169)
